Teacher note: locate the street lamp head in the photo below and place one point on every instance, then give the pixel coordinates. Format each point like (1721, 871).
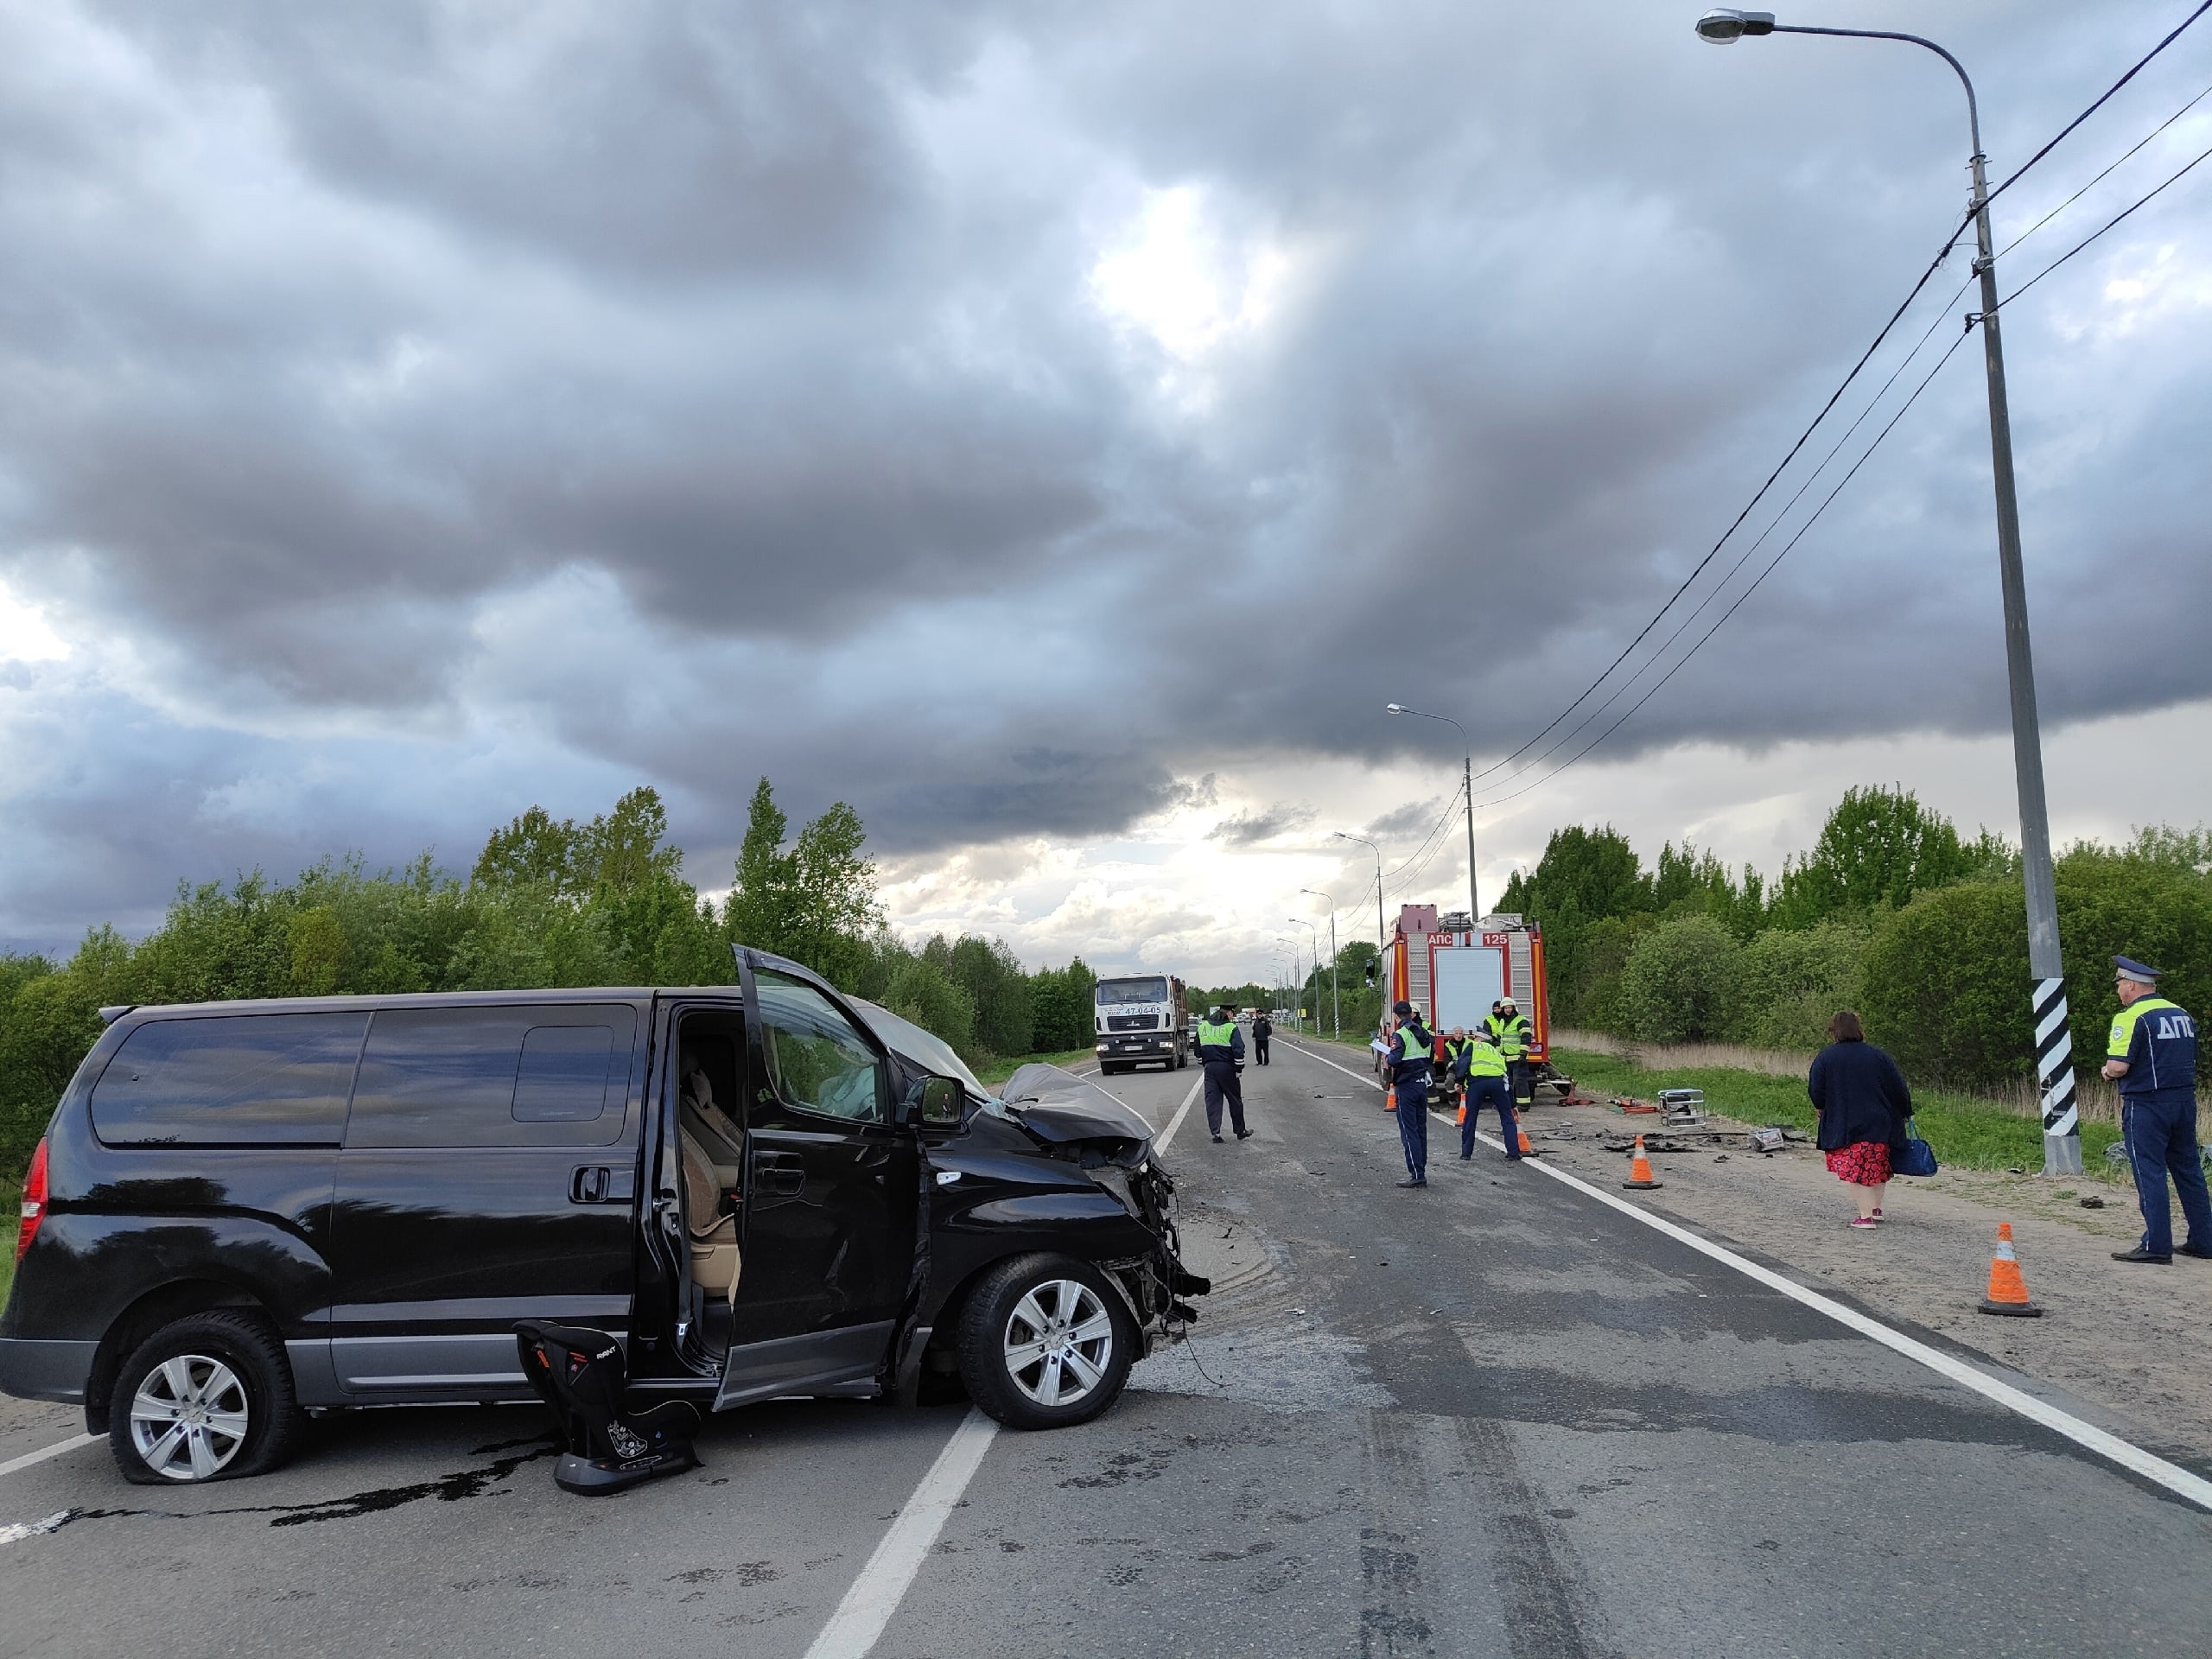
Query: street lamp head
(1396, 709)
(1725, 25)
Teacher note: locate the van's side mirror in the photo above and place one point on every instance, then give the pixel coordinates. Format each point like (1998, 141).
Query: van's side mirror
(943, 1100)
(1371, 972)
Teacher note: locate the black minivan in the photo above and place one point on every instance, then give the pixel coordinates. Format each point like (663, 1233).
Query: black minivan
(245, 1212)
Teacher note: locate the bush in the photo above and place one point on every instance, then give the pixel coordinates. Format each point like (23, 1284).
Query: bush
(1946, 986)
(1947, 989)
(1682, 982)
(1794, 982)
(1589, 992)
(923, 993)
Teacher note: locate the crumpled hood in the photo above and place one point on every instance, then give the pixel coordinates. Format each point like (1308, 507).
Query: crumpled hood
(1058, 1107)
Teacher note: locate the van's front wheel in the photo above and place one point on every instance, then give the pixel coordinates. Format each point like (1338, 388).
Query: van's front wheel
(206, 1398)
(1045, 1343)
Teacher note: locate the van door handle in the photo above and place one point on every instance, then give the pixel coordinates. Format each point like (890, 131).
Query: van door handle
(780, 1173)
(601, 1184)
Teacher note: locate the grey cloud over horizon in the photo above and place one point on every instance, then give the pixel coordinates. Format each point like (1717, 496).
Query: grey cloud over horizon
(1002, 417)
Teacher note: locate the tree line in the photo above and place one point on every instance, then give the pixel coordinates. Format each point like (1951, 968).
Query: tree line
(548, 902)
(1892, 912)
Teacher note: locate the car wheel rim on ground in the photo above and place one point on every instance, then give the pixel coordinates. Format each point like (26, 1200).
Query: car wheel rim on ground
(189, 1417)
(1060, 1342)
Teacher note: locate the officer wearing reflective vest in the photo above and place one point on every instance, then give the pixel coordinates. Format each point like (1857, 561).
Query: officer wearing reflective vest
(1412, 1051)
(1220, 1046)
(1482, 1067)
(1509, 1028)
(2152, 1057)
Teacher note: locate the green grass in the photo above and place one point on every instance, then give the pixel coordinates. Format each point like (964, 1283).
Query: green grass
(7, 1269)
(1972, 1134)
(998, 1070)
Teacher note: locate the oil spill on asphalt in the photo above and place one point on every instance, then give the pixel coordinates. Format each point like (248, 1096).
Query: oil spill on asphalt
(380, 1500)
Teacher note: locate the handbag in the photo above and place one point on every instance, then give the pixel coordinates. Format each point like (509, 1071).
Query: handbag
(1918, 1158)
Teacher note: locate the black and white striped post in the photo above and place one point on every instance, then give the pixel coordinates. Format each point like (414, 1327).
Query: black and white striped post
(2062, 1119)
(2062, 1123)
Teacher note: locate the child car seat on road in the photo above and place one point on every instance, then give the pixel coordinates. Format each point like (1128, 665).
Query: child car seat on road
(580, 1373)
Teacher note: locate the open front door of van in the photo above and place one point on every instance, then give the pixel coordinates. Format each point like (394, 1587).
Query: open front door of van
(831, 1195)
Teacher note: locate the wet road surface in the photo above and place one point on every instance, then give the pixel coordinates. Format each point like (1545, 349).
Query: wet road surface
(1490, 1417)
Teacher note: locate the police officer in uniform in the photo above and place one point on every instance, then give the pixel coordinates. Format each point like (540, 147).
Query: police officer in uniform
(1411, 1048)
(2153, 1056)
(1482, 1067)
(1262, 1029)
(1220, 1046)
(1509, 1028)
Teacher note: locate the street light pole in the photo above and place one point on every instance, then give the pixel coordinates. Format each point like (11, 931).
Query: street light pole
(1468, 782)
(1336, 1001)
(1381, 944)
(2061, 1121)
(1302, 922)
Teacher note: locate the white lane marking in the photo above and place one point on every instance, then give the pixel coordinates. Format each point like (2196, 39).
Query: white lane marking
(23, 1529)
(30, 1457)
(1176, 1122)
(2128, 1456)
(857, 1624)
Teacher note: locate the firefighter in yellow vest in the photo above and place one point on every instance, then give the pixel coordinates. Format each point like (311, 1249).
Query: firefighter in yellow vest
(1509, 1028)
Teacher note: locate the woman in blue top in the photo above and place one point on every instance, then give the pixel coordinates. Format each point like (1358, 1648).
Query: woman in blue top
(1863, 1106)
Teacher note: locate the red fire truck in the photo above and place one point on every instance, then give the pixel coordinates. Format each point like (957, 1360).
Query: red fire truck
(1452, 970)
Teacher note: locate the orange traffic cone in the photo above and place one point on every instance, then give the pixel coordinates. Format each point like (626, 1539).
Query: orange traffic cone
(1529, 1148)
(2008, 1292)
(1639, 1171)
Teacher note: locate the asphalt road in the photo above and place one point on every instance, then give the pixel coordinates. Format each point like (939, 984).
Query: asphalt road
(1495, 1416)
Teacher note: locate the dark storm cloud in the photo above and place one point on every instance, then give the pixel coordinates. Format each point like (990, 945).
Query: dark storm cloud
(334, 341)
(1403, 824)
(1248, 829)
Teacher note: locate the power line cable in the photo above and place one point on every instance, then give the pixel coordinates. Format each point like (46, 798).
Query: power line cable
(2020, 172)
(2139, 203)
(2106, 174)
(1720, 588)
(1950, 243)
(1699, 644)
(1430, 842)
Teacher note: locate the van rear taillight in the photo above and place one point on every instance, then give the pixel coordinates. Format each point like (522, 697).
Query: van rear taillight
(33, 1202)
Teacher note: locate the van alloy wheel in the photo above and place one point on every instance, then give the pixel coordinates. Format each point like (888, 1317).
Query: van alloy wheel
(1058, 1342)
(189, 1415)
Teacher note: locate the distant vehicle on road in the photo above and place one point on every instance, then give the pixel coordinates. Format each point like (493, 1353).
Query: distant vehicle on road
(1140, 1018)
(243, 1211)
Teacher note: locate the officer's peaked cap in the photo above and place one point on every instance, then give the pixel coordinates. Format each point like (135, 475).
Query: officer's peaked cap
(2128, 968)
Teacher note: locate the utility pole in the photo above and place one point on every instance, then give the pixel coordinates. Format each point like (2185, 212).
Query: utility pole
(1336, 1001)
(1302, 922)
(2062, 1118)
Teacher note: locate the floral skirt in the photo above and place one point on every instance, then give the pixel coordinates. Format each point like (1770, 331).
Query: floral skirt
(1866, 1164)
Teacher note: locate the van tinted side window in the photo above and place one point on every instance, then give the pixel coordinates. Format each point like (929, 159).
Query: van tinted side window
(495, 1076)
(252, 1079)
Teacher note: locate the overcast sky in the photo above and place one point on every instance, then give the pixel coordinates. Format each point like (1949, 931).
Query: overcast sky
(1057, 429)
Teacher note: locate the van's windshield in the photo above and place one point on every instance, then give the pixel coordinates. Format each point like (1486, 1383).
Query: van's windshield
(927, 1049)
